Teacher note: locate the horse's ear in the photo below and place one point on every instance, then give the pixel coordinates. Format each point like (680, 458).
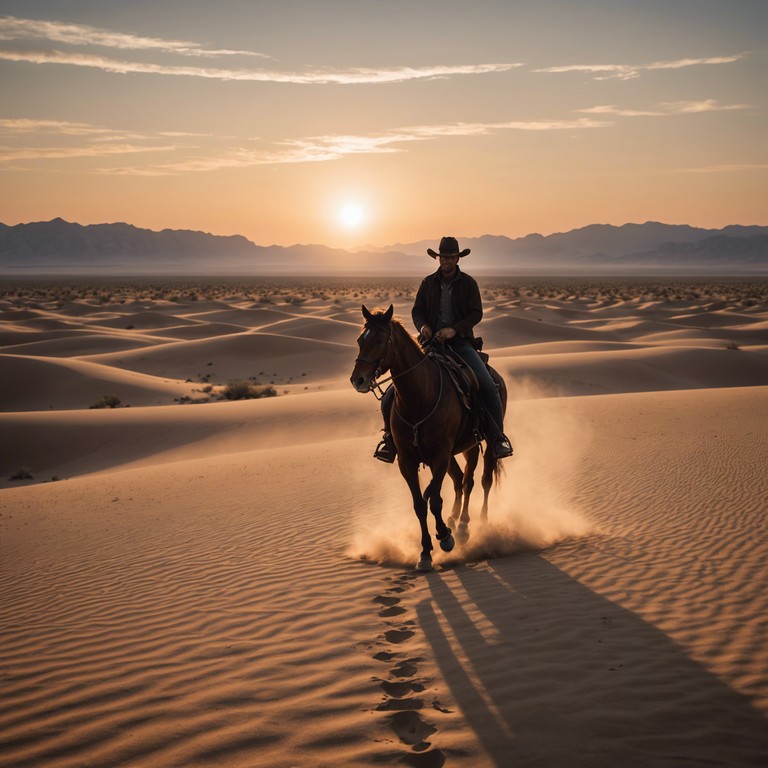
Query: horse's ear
(366, 314)
(388, 314)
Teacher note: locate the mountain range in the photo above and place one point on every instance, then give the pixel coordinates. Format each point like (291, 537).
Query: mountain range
(59, 246)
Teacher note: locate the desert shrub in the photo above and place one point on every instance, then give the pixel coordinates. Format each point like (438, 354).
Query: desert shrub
(107, 401)
(241, 389)
(22, 473)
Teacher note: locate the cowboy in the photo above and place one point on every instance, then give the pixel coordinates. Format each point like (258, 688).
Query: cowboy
(447, 308)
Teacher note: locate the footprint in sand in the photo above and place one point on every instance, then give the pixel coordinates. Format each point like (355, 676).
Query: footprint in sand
(411, 729)
(432, 759)
(405, 721)
(392, 608)
(397, 636)
(399, 689)
(404, 668)
(384, 600)
(385, 656)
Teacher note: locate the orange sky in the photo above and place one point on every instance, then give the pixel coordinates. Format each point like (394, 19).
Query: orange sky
(267, 119)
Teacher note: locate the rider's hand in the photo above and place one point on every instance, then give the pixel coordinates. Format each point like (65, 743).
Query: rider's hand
(426, 332)
(444, 334)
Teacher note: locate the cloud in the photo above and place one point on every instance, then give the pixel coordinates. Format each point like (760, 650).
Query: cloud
(665, 108)
(335, 147)
(735, 167)
(631, 71)
(12, 28)
(26, 126)
(93, 150)
(356, 76)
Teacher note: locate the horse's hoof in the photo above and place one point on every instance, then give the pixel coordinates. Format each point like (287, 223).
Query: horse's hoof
(447, 543)
(462, 533)
(424, 565)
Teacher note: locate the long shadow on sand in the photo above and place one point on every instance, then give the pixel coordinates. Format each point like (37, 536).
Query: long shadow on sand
(559, 676)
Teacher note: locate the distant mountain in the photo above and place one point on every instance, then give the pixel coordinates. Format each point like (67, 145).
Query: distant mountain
(711, 251)
(605, 244)
(61, 246)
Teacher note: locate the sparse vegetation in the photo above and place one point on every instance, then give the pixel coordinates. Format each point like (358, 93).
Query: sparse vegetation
(22, 473)
(242, 389)
(107, 401)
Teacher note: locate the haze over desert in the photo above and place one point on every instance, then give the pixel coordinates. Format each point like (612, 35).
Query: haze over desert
(194, 581)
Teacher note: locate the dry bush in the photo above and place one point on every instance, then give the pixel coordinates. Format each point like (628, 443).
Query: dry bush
(241, 389)
(107, 401)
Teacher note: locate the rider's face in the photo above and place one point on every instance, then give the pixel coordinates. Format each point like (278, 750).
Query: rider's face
(448, 262)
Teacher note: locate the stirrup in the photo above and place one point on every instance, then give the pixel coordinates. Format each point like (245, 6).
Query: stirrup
(502, 448)
(385, 450)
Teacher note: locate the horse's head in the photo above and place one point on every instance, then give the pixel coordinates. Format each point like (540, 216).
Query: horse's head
(375, 344)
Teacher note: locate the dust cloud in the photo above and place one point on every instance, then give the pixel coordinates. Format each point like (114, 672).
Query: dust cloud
(533, 507)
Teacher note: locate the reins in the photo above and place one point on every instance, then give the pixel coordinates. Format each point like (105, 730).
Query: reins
(376, 384)
(415, 427)
(378, 392)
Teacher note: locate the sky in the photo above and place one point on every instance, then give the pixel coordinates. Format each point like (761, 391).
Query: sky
(354, 122)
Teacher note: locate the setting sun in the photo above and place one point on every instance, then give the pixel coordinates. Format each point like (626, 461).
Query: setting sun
(351, 215)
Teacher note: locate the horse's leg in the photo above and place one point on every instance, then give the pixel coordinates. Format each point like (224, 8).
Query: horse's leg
(456, 474)
(468, 483)
(490, 464)
(439, 469)
(410, 471)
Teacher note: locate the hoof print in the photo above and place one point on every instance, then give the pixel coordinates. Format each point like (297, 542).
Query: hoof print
(405, 668)
(397, 636)
(384, 656)
(398, 690)
(384, 600)
(432, 759)
(410, 728)
(395, 610)
(399, 705)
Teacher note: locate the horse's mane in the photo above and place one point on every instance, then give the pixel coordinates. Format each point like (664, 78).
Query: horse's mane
(396, 324)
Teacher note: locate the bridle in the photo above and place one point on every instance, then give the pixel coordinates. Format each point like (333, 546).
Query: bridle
(375, 383)
(380, 361)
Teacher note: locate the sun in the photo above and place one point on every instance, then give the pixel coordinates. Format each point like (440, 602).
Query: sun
(352, 215)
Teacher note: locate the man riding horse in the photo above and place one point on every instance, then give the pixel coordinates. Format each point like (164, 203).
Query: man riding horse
(447, 308)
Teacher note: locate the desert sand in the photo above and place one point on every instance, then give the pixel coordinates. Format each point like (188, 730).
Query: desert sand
(194, 581)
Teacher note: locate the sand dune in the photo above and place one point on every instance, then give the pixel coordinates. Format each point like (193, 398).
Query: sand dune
(231, 583)
(44, 383)
(633, 370)
(251, 354)
(88, 343)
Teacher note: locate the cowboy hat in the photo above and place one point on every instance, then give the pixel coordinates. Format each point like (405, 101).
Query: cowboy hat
(449, 246)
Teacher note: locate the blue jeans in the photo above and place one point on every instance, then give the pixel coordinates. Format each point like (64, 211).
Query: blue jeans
(489, 393)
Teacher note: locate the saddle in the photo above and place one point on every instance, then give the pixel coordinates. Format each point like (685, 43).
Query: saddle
(460, 374)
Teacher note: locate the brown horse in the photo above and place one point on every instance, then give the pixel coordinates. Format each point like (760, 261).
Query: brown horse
(429, 425)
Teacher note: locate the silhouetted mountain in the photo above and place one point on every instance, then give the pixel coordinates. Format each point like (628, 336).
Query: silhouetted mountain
(712, 251)
(60, 242)
(60, 246)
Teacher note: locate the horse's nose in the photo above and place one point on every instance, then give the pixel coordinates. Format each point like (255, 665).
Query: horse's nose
(358, 382)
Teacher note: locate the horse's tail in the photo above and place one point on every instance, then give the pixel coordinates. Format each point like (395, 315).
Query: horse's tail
(498, 470)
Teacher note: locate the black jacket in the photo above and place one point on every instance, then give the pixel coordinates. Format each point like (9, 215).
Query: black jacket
(465, 297)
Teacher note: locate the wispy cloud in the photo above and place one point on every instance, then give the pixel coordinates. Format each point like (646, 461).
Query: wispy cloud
(356, 76)
(630, 71)
(335, 147)
(94, 150)
(665, 108)
(12, 28)
(735, 167)
(26, 126)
